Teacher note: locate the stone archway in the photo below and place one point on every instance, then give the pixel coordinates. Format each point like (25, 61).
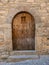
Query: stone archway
(23, 31)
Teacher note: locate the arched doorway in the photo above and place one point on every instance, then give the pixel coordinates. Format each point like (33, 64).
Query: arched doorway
(23, 31)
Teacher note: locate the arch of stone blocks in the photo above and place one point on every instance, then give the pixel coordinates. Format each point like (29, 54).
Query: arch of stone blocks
(24, 45)
(12, 13)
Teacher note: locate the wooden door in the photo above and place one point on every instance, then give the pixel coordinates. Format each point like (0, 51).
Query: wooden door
(23, 32)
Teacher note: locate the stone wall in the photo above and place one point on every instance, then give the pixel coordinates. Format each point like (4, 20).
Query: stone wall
(39, 10)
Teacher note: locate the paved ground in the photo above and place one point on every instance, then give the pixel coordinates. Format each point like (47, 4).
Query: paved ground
(44, 60)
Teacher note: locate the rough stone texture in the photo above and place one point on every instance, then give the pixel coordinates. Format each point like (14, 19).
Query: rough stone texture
(39, 10)
(43, 60)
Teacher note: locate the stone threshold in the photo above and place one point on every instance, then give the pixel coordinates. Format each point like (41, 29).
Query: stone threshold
(24, 52)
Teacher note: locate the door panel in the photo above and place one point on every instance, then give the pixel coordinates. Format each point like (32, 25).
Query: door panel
(23, 32)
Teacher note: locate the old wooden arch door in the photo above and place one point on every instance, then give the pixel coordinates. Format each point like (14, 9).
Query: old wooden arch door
(23, 31)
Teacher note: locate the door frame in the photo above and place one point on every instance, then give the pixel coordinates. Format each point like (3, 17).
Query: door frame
(12, 13)
(12, 29)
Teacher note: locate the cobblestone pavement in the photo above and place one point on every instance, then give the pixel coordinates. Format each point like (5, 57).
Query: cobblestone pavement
(44, 60)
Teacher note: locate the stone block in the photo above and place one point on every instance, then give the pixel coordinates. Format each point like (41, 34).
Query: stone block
(30, 0)
(4, 1)
(7, 34)
(1, 37)
(38, 43)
